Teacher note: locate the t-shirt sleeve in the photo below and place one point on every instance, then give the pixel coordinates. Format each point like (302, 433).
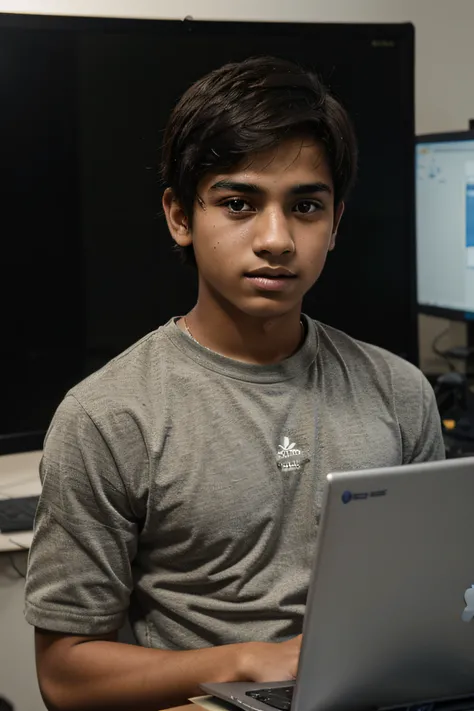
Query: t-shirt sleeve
(79, 576)
(419, 420)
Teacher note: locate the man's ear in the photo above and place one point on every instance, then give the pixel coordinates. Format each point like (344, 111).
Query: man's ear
(337, 218)
(176, 219)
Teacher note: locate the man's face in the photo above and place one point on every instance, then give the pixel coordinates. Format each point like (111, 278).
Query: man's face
(273, 212)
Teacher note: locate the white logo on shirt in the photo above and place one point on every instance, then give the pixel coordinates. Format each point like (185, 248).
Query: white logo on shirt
(287, 452)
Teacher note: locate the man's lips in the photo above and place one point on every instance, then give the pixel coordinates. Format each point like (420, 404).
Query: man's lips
(271, 272)
(267, 283)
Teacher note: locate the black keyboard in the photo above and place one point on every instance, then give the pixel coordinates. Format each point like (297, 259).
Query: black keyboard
(279, 697)
(18, 514)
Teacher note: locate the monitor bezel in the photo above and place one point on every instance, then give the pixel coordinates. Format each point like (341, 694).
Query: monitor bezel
(442, 311)
(385, 35)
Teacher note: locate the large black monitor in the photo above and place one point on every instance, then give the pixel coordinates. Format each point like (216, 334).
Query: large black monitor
(445, 224)
(87, 265)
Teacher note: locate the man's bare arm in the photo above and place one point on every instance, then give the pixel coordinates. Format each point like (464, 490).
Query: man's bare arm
(98, 673)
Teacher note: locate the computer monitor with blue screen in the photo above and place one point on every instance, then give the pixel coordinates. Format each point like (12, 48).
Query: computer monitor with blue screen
(445, 224)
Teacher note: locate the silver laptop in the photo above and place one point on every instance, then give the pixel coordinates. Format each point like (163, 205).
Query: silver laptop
(390, 611)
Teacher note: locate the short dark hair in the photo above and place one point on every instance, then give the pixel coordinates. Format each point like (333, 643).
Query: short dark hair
(244, 108)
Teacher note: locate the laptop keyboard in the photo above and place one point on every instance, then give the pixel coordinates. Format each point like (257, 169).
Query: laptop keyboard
(279, 697)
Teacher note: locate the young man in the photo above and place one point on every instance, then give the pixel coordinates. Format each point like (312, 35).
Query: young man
(182, 482)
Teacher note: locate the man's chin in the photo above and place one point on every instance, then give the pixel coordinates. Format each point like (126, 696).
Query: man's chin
(269, 308)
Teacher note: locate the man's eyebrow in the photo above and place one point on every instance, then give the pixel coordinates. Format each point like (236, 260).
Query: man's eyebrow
(252, 189)
(308, 188)
(237, 187)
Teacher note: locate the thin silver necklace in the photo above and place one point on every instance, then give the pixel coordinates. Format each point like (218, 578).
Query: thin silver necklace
(195, 339)
(188, 330)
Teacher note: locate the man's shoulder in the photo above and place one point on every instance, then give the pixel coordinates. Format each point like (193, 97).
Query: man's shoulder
(367, 359)
(118, 404)
(129, 378)
(383, 379)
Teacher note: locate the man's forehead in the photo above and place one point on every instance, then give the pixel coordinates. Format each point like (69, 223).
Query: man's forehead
(289, 164)
(287, 155)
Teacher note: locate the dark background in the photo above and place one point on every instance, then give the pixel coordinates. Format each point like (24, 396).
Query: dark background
(86, 260)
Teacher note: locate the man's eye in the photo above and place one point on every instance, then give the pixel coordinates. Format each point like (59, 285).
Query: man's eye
(237, 205)
(307, 207)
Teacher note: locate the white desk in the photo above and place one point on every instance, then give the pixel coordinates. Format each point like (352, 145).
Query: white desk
(19, 476)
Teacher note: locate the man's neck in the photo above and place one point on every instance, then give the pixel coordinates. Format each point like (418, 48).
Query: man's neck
(245, 338)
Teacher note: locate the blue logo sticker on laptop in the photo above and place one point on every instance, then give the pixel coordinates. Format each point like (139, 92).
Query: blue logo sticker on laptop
(348, 496)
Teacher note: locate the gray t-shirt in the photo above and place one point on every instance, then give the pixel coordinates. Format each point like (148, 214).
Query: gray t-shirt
(185, 487)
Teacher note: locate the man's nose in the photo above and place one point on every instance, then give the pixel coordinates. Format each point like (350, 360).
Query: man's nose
(273, 233)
